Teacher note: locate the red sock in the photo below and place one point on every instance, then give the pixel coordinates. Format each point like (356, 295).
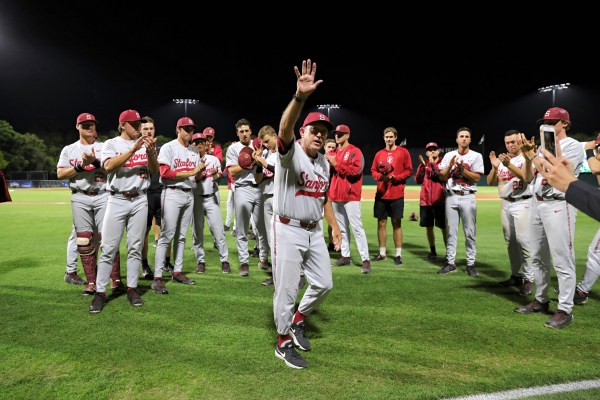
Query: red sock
(282, 339)
(298, 317)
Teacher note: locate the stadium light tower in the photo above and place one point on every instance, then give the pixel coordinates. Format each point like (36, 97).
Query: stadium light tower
(328, 107)
(185, 102)
(554, 88)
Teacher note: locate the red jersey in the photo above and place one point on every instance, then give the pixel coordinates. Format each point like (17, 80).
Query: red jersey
(400, 159)
(216, 151)
(346, 176)
(432, 188)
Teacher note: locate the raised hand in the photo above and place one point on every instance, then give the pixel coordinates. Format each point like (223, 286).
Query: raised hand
(306, 83)
(494, 160)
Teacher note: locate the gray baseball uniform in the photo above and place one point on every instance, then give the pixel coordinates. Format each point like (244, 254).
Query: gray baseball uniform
(553, 232)
(515, 217)
(177, 203)
(592, 267)
(300, 185)
(206, 199)
(126, 209)
(248, 204)
(461, 203)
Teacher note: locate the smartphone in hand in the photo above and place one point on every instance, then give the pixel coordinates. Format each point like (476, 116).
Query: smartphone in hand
(548, 138)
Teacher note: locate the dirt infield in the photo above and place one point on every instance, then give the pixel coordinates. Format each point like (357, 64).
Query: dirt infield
(369, 194)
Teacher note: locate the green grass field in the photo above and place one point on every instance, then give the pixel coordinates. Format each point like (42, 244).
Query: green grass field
(401, 332)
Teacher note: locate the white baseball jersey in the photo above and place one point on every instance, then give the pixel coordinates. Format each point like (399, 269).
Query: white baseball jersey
(179, 158)
(509, 186)
(244, 178)
(208, 185)
(300, 185)
(134, 174)
(570, 149)
(91, 178)
(472, 160)
(267, 184)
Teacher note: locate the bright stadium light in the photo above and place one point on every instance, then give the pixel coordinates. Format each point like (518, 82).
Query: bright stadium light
(553, 89)
(185, 102)
(328, 107)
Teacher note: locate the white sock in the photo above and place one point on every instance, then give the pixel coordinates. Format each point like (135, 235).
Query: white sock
(382, 251)
(398, 251)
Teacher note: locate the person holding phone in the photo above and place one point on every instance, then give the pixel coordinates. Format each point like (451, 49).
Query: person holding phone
(552, 223)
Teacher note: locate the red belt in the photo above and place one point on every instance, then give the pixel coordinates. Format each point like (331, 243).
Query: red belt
(308, 225)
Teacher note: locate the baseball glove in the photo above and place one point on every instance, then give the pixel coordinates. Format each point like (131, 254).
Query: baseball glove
(384, 167)
(245, 159)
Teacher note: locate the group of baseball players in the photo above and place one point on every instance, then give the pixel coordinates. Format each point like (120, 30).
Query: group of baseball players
(286, 186)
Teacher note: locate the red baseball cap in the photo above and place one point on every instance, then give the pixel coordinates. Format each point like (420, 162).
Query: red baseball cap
(130, 116)
(83, 117)
(431, 144)
(208, 131)
(198, 135)
(555, 113)
(342, 129)
(317, 117)
(185, 121)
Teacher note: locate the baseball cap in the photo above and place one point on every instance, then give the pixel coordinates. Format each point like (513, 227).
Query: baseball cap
(198, 135)
(130, 116)
(208, 131)
(431, 144)
(342, 129)
(83, 117)
(555, 113)
(317, 117)
(185, 121)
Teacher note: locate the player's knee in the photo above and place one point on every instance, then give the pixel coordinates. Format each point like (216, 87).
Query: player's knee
(84, 242)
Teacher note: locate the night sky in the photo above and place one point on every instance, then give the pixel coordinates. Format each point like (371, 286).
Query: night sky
(57, 61)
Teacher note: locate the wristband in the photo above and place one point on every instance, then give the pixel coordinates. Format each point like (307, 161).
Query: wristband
(96, 163)
(589, 153)
(78, 167)
(298, 99)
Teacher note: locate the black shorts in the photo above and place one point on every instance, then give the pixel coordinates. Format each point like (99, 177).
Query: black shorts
(153, 207)
(431, 215)
(389, 208)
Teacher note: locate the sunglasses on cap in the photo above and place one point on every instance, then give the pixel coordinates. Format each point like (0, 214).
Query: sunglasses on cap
(135, 124)
(551, 121)
(87, 125)
(198, 141)
(188, 129)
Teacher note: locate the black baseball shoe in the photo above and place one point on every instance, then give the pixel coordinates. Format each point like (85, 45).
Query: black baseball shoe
(514, 280)
(533, 307)
(447, 269)
(290, 356)
(74, 279)
(181, 278)
(559, 320)
(398, 260)
(298, 336)
(134, 297)
(471, 271)
(98, 303)
(159, 286)
(147, 271)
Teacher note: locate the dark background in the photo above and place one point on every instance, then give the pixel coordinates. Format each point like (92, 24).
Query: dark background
(423, 77)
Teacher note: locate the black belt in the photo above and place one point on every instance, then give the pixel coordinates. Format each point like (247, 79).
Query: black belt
(540, 198)
(207, 195)
(461, 193)
(132, 194)
(179, 188)
(513, 199)
(308, 225)
(88, 192)
(267, 196)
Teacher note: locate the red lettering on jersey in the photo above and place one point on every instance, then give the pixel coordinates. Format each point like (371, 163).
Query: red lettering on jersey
(181, 164)
(317, 186)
